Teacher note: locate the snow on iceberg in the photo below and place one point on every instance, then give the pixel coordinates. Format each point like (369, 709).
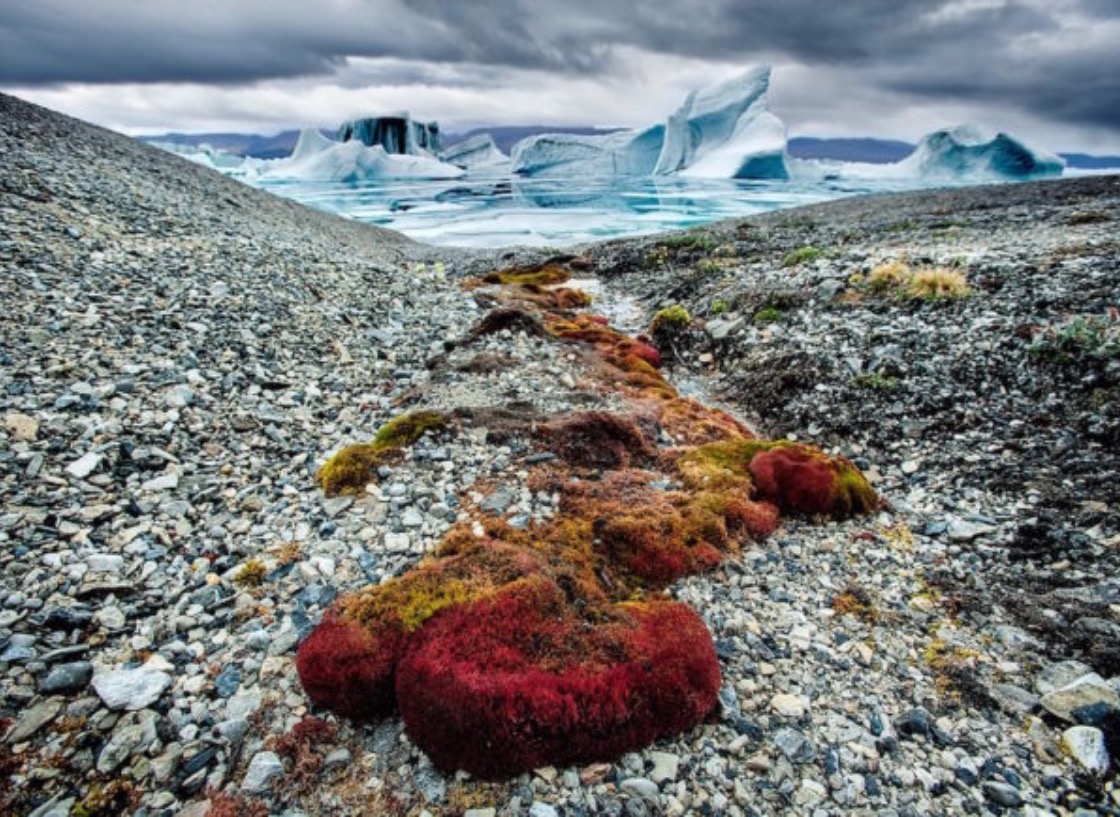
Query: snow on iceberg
(725, 131)
(966, 151)
(565, 155)
(477, 151)
(353, 161)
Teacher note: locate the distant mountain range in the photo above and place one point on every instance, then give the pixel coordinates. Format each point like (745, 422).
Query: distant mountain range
(874, 151)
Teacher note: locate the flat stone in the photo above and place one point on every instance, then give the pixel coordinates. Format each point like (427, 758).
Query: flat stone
(105, 563)
(1002, 794)
(34, 719)
(130, 689)
(539, 809)
(479, 812)
(1086, 745)
(961, 530)
(84, 466)
(412, 518)
(264, 768)
(1088, 700)
(1014, 700)
(665, 766)
(65, 678)
(789, 706)
(164, 482)
(21, 426)
(640, 787)
(1060, 675)
(135, 732)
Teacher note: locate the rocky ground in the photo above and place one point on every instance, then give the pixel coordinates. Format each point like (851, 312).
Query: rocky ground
(180, 353)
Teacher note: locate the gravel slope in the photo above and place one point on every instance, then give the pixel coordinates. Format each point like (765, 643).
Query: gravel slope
(179, 353)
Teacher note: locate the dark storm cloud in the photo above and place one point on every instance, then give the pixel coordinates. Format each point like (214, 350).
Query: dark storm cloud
(1014, 52)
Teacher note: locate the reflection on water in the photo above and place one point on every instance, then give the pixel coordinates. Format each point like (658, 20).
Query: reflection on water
(499, 211)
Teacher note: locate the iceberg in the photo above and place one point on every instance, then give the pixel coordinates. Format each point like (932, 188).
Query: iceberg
(310, 142)
(967, 152)
(725, 131)
(351, 162)
(477, 151)
(566, 155)
(397, 133)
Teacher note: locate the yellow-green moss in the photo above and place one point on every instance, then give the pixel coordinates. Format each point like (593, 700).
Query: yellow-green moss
(352, 468)
(408, 428)
(670, 320)
(251, 574)
(542, 276)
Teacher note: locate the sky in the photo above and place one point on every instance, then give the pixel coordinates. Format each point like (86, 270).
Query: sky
(1045, 70)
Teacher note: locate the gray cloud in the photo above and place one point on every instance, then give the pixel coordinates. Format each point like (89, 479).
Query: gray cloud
(1038, 56)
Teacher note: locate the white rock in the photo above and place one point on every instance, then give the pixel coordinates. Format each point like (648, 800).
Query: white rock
(83, 466)
(130, 689)
(164, 482)
(789, 706)
(1086, 745)
(665, 766)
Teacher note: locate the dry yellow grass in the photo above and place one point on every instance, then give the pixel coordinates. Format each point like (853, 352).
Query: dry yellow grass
(891, 275)
(937, 283)
(930, 282)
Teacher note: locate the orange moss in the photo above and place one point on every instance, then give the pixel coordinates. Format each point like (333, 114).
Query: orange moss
(539, 276)
(597, 439)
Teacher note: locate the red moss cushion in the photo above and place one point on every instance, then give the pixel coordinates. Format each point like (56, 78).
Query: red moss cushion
(347, 669)
(521, 680)
(802, 480)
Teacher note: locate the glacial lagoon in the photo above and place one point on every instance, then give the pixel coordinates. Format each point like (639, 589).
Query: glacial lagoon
(501, 211)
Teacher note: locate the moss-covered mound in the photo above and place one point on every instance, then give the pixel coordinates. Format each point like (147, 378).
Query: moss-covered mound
(509, 649)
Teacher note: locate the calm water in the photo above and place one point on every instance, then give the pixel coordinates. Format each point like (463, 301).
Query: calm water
(495, 212)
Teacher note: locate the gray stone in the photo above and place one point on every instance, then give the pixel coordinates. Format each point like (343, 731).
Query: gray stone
(164, 482)
(1060, 675)
(1014, 700)
(34, 719)
(479, 812)
(640, 787)
(412, 518)
(795, 746)
(337, 759)
(240, 707)
(131, 734)
(539, 809)
(719, 328)
(65, 678)
(263, 769)
(130, 689)
(1088, 700)
(1002, 794)
(961, 530)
